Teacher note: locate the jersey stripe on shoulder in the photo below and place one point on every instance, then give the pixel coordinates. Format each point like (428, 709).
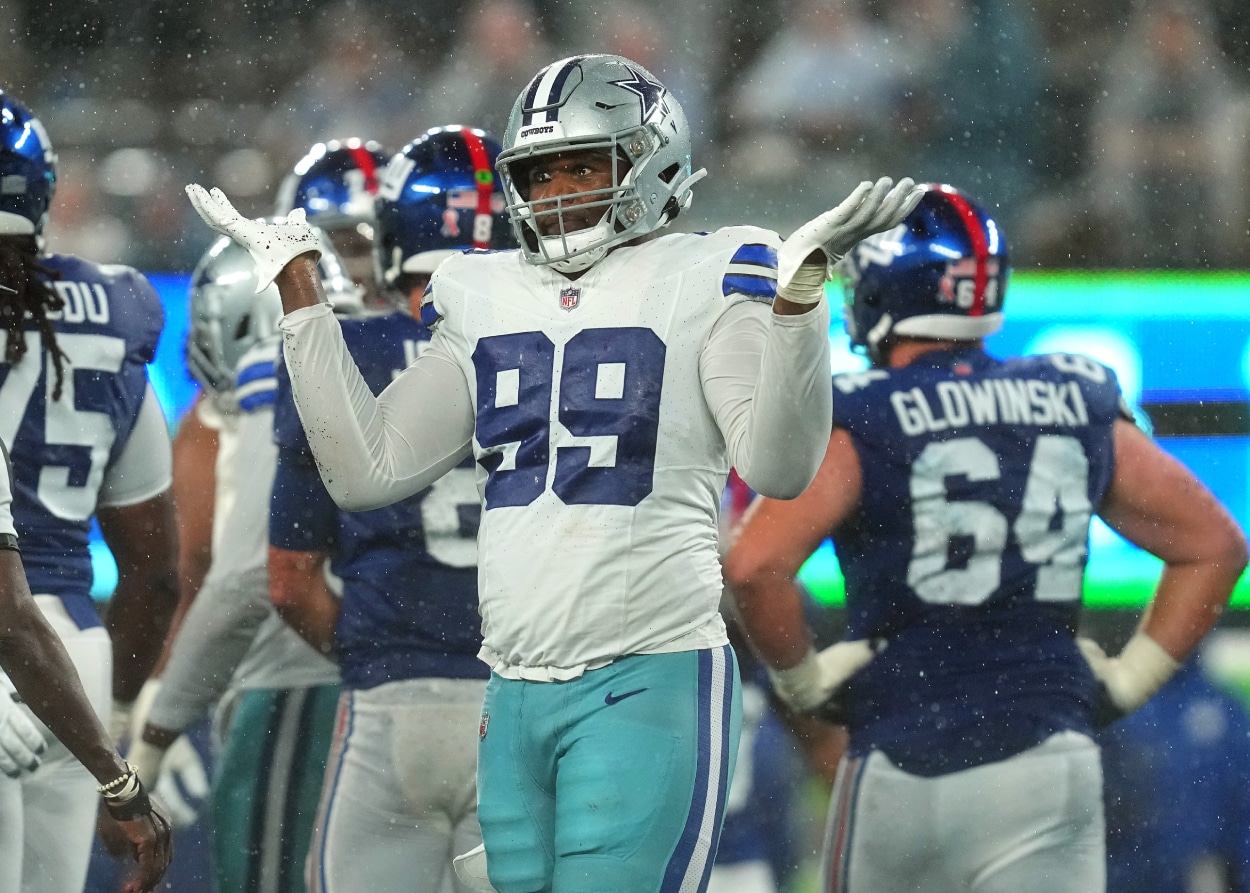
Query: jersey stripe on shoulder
(255, 386)
(752, 273)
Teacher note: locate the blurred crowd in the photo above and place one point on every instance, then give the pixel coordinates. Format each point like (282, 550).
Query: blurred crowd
(1103, 135)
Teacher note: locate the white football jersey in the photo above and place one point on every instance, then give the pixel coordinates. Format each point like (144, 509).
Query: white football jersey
(6, 495)
(600, 463)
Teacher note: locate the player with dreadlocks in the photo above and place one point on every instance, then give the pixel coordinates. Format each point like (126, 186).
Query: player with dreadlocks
(29, 293)
(87, 439)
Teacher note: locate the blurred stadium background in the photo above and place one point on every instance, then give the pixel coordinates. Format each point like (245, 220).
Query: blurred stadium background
(1111, 139)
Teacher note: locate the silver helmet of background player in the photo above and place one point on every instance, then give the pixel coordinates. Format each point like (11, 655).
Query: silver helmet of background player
(608, 104)
(228, 318)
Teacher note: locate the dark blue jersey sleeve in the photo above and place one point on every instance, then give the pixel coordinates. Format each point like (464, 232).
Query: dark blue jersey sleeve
(302, 516)
(288, 430)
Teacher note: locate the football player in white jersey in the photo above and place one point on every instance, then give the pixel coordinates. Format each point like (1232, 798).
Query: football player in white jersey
(277, 695)
(605, 379)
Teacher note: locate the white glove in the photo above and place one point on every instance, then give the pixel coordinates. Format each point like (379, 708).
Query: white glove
(471, 870)
(119, 721)
(1132, 677)
(871, 208)
(271, 245)
(175, 776)
(818, 676)
(21, 742)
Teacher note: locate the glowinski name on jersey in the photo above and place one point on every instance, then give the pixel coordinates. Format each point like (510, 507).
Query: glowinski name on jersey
(1001, 401)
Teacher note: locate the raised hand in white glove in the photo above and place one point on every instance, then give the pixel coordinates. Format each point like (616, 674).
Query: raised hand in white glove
(817, 678)
(871, 208)
(21, 742)
(1129, 679)
(272, 244)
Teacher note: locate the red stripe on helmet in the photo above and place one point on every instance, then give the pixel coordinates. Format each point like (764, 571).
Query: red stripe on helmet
(364, 160)
(980, 247)
(485, 185)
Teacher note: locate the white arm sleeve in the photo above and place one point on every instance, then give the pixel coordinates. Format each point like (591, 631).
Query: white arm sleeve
(234, 601)
(145, 466)
(373, 451)
(766, 379)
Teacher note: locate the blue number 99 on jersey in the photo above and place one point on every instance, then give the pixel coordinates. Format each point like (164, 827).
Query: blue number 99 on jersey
(609, 387)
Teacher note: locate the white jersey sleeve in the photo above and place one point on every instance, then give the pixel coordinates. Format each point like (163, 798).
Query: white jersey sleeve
(8, 535)
(373, 451)
(234, 599)
(766, 379)
(145, 466)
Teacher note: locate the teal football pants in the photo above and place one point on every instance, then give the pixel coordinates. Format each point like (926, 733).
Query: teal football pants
(613, 782)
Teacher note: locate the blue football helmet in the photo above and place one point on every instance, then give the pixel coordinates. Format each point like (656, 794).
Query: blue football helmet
(27, 170)
(334, 183)
(438, 196)
(941, 273)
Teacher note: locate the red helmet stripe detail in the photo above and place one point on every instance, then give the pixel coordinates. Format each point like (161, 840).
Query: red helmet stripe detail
(485, 185)
(364, 160)
(980, 247)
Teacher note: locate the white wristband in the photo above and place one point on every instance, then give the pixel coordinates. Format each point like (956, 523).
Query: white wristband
(799, 686)
(807, 285)
(146, 759)
(119, 720)
(1132, 677)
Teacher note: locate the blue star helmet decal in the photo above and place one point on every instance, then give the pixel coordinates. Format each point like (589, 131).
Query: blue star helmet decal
(650, 94)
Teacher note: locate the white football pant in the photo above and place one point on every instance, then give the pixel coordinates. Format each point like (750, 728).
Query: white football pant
(1032, 823)
(47, 818)
(400, 795)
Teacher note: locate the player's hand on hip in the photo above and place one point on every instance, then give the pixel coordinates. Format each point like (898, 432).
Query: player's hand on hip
(1130, 679)
(819, 677)
(21, 742)
(272, 244)
(870, 208)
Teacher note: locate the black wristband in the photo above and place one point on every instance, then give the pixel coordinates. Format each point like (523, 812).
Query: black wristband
(137, 806)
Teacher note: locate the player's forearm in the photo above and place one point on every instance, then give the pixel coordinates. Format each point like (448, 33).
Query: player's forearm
(36, 662)
(139, 617)
(770, 612)
(1189, 601)
(299, 283)
(212, 642)
(373, 451)
(314, 615)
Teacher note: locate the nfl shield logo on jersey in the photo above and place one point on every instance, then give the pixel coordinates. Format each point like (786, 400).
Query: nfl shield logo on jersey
(570, 298)
(483, 726)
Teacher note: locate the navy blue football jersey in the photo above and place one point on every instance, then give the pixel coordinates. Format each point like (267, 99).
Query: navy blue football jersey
(60, 449)
(409, 570)
(968, 550)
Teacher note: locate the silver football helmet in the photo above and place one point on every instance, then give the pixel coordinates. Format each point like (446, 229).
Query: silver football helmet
(228, 318)
(609, 104)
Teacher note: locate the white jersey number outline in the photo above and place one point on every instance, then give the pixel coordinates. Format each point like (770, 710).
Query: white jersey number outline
(64, 423)
(608, 397)
(1056, 490)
